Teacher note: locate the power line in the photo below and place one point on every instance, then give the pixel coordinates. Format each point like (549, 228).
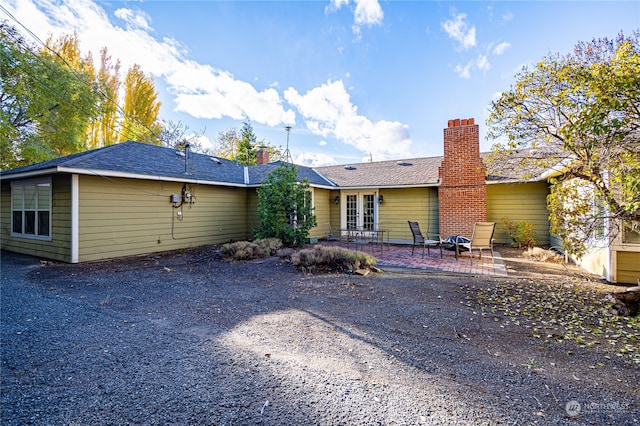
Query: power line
(79, 77)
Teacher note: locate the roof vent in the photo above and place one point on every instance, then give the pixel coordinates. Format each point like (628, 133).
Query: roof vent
(180, 153)
(215, 160)
(349, 168)
(403, 163)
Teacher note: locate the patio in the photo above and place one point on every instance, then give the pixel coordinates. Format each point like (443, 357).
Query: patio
(400, 256)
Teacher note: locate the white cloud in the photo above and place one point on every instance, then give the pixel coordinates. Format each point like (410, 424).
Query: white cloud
(507, 17)
(366, 13)
(134, 19)
(314, 159)
(322, 143)
(199, 90)
(480, 63)
(483, 63)
(203, 91)
(327, 111)
(464, 71)
(501, 48)
(458, 30)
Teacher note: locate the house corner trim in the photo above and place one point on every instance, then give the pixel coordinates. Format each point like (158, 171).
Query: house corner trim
(75, 201)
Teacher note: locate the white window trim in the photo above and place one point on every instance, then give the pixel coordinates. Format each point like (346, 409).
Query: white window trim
(29, 182)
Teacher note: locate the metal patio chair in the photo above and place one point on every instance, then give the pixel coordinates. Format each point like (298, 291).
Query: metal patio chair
(420, 240)
(481, 239)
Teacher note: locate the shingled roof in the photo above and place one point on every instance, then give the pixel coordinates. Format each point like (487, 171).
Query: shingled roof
(259, 174)
(139, 159)
(134, 159)
(412, 172)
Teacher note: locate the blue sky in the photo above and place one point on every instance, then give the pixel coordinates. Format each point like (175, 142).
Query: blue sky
(355, 79)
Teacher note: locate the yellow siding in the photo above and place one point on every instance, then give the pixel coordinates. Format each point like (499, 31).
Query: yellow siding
(322, 203)
(402, 205)
(521, 201)
(334, 210)
(123, 217)
(628, 267)
(59, 246)
(253, 219)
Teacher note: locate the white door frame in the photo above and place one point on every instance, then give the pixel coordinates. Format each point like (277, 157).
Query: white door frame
(361, 197)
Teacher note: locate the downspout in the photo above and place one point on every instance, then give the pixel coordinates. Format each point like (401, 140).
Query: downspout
(75, 215)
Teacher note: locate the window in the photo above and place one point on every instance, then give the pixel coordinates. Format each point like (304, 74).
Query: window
(31, 209)
(631, 232)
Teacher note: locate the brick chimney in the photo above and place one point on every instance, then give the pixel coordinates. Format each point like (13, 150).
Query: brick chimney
(462, 194)
(263, 156)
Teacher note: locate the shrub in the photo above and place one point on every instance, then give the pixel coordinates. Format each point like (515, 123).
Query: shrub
(245, 250)
(241, 250)
(323, 258)
(270, 246)
(521, 233)
(284, 207)
(541, 255)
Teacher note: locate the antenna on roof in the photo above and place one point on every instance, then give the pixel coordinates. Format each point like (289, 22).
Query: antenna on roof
(287, 153)
(187, 145)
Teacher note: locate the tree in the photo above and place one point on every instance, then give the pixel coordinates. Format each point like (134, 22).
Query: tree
(74, 117)
(243, 146)
(103, 129)
(141, 107)
(177, 134)
(284, 207)
(45, 102)
(247, 148)
(580, 111)
(227, 143)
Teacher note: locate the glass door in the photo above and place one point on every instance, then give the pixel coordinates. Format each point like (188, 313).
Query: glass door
(359, 211)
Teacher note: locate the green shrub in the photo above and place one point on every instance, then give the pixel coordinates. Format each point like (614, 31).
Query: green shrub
(284, 207)
(324, 258)
(521, 233)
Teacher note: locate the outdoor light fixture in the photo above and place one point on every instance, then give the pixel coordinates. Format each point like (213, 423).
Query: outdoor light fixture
(380, 199)
(337, 200)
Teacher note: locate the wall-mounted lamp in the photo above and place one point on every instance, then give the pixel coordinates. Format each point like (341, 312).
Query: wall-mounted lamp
(337, 199)
(380, 199)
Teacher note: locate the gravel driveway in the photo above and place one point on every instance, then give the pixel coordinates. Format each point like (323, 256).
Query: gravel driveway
(188, 339)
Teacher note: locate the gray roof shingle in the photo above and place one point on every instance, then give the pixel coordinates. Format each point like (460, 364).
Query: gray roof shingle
(259, 174)
(149, 160)
(412, 172)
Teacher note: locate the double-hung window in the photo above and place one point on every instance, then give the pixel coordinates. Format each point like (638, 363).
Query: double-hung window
(31, 209)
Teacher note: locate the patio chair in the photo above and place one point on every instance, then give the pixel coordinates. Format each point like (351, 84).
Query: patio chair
(419, 239)
(330, 235)
(481, 239)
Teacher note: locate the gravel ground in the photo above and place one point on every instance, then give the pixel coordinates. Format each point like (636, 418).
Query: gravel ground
(187, 339)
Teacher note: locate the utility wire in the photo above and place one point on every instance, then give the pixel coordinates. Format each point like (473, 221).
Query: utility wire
(77, 76)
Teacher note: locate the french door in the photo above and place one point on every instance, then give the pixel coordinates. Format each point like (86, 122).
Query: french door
(359, 211)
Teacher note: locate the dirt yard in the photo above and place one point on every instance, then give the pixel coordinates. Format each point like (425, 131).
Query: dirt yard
(186, 338)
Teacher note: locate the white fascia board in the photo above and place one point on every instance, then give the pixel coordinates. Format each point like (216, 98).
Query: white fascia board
(112, 174)
(25, 175)
(423, 185)
(311, 185)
